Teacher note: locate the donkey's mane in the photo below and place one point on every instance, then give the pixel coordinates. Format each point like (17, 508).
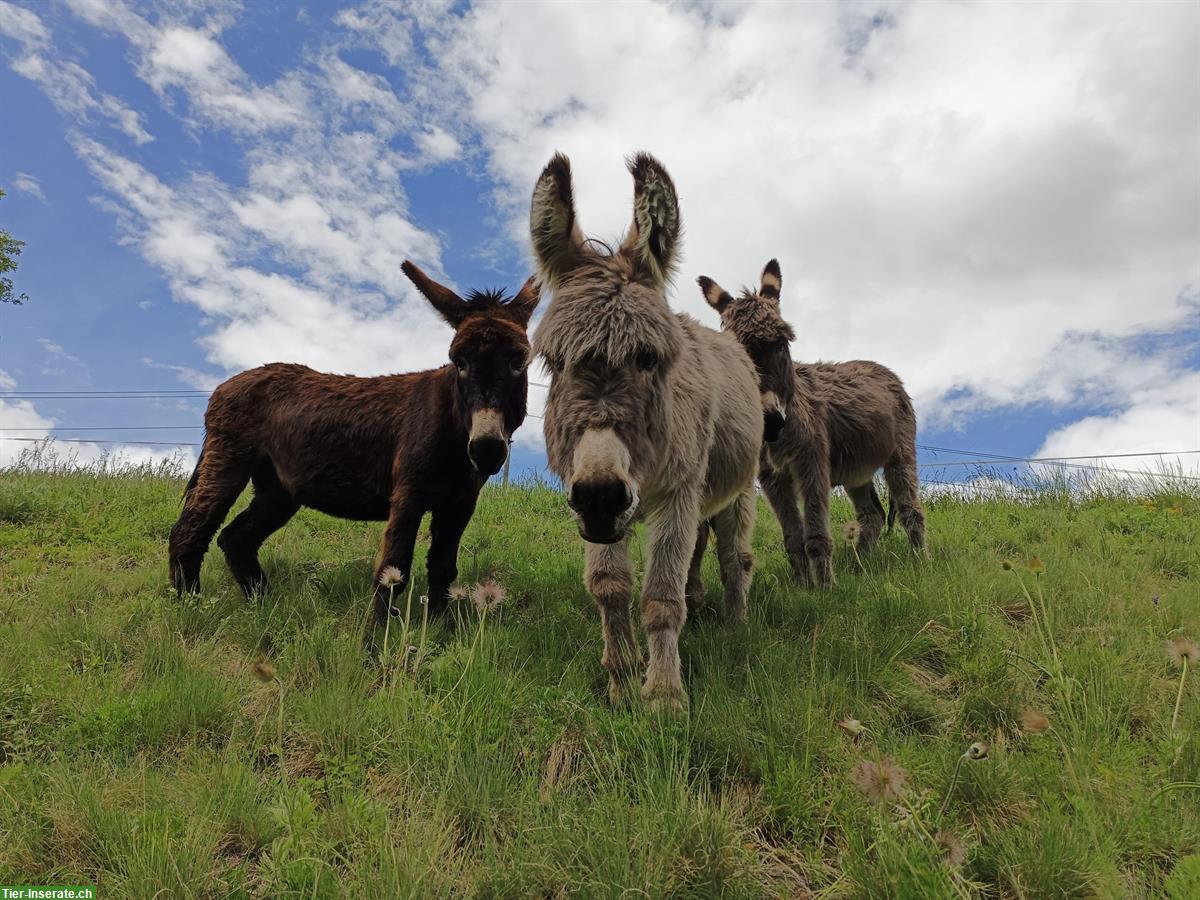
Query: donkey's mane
(756, 319)
(488, 299)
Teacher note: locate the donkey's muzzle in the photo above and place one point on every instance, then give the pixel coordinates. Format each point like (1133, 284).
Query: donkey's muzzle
(487, 444)
(487, 454)
(600, 507)
(772, 424)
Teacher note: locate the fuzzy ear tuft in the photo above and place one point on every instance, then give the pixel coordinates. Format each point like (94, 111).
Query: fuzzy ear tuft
(553, 228)
(653, 238)
(772, 280)
(452, 307)
(718, 298)
(520, 308)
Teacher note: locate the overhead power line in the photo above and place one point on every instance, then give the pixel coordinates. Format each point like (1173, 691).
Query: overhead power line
(106, 428)
(101, 441)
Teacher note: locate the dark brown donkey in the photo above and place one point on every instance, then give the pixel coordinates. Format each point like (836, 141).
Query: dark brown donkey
(392, 447)
(825, 424)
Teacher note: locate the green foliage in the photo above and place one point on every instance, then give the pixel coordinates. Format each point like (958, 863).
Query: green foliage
(214, 747)
(10, 249)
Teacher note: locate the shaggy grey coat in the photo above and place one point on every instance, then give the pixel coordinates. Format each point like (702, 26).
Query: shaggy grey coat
(648, 410)
(840, 422)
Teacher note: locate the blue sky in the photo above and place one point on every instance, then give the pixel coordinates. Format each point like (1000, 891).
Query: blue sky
(1001, 203)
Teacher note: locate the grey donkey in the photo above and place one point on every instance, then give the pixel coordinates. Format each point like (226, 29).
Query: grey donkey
(650, 416)
(825, 424)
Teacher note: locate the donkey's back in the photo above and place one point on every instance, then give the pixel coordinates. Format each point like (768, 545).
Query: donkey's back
(331, 440)
(863, 410)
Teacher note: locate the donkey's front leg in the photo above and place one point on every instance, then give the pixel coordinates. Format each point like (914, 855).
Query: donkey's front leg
(396, 553)
(672, 538)
(446, 528)
(780, 489)
(609, 579)
(818, 546)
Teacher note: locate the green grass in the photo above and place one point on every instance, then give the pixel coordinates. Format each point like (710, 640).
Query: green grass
(142, 750)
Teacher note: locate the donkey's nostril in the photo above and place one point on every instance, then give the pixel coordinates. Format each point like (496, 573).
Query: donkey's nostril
(487, 454)
(600, 498)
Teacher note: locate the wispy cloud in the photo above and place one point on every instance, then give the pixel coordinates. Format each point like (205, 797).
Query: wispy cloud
(25, 183)
(70, 87)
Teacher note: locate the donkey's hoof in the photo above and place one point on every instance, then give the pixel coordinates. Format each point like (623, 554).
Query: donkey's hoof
(622, 692)
(735, 614)
(664, 698)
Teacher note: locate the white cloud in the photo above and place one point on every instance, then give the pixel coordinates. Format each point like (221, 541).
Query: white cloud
(1159, 418)
(1000, 202)
(28, 184)
(989, 198)
(70, 87)
(438, 145)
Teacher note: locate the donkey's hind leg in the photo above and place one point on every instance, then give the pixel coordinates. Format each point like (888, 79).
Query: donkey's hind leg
(269, 511)
(694, 592)
(869, 512)
(735, 530)
(221, 473)
(901, 477)
(609, 579)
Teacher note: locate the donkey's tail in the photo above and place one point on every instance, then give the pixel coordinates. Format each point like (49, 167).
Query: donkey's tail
(195, 479)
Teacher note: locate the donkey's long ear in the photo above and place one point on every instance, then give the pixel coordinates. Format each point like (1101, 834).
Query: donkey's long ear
(452, 307)
(718, 298)
(520, 308)
(653, 237)
(772, 281)
(556, 236)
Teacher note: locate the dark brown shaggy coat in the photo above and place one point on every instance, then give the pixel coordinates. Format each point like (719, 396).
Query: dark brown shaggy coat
(392, 447)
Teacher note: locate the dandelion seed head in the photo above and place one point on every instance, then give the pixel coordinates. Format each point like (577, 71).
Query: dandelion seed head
(954, 851)
(1034, 722)
(264, 671)
(851, 531)
(1035, 565)
(391, 576)
(978, 750)
(1183, 649)
(458, 593)
(881, 780)
(488, 595)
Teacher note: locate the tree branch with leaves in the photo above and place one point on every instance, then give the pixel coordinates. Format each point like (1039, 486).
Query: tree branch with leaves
(10, 249)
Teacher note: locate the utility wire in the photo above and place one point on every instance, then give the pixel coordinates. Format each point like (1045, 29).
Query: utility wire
(99, 441)
(105, 428)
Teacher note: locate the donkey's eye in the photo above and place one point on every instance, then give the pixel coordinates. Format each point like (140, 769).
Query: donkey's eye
(461, 365)
(646, 360)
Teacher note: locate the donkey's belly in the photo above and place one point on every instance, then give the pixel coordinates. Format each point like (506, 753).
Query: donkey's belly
(853, 476)
(341, 497)
(345, 506)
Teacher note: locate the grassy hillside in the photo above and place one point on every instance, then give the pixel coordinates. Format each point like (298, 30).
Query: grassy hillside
(219, 748)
